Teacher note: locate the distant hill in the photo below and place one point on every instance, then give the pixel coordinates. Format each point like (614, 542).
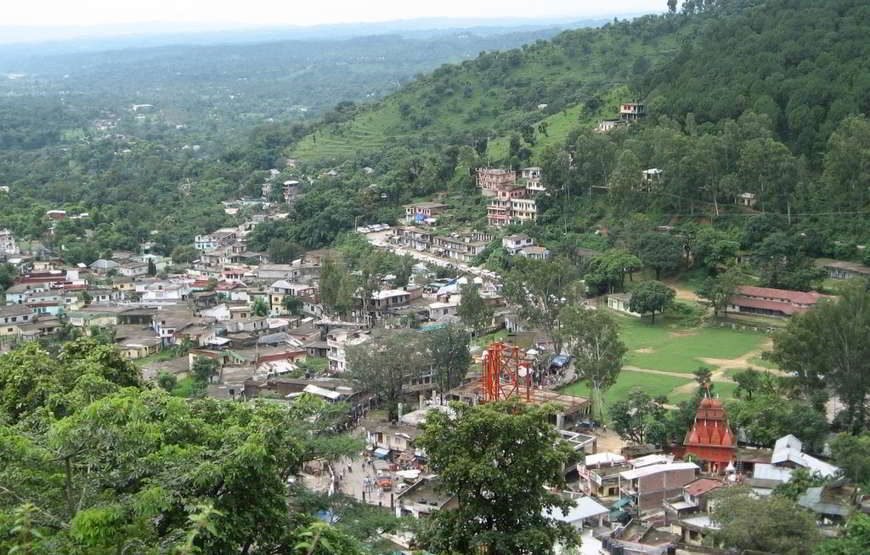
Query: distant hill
(244, 82)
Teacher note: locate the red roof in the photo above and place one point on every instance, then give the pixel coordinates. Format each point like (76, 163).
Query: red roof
(710, 438)
(781, 295)
(702, 486)
(776, 306)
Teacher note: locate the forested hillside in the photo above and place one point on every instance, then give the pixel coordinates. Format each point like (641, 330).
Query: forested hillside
(744, 96)
(501, 92)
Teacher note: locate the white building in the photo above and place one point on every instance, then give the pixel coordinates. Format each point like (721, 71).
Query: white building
(337, 342)
(7, 243)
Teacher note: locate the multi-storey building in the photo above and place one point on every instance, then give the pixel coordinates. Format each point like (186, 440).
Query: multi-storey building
(7, 243)
(514, 193)
(219, 238)
(531, 178)
(492, 179)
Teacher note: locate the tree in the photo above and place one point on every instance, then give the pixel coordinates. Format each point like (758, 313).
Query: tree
(473, 311)
(773, 524)
(7, 276)
(713, 249)
(539, 290)
(650, 297)
(282, 251)
(385, 363)
(853, 542)
(638, 417)
(852, 454)
(292, 304)
(592, 339)
(798, 483)
(608, 270)
(449, 355)
(138, 470)
(166, 381)
(184, 254)
(336, 287)
(719, 289)
(260, 307)
(767, 417)
(828, 346)
(704, 377)
(748, 382)
(661, 252)
(781, 263)
(152, 268)
(496, 459)
(204, 369)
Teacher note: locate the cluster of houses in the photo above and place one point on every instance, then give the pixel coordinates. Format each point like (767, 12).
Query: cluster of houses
(659, 502)
(512, 194)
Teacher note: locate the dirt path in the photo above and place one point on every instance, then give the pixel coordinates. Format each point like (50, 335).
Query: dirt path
(683, 294)
(721, 366)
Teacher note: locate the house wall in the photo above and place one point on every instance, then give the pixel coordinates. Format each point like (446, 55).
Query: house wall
(655, 489)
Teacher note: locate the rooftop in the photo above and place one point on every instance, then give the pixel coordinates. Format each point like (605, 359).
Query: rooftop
(656, 469)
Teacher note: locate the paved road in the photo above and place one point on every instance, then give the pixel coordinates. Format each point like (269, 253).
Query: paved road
(381, 240)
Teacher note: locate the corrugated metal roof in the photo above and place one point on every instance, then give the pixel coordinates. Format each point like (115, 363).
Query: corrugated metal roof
(655, 469)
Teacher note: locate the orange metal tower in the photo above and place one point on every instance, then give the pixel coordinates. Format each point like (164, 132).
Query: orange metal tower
(505, 373)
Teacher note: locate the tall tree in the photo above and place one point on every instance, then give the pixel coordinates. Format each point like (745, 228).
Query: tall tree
(719, 289)
(650, 297)
(828, 346)
(592, 338)
(385, 363)
(638, 417)
(336, 289)
(539, 290)
(479, 454)
(852, 454)
(449, 356)
(662, 253)
(474, 312)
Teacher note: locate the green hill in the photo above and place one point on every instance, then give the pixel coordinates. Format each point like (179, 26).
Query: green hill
(804, 64)
(562, 82)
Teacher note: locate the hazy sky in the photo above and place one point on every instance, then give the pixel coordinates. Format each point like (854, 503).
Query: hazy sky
(297, 12)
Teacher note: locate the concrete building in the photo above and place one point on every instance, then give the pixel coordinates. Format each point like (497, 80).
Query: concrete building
(649, 486)
(7, 243)
(423, 212)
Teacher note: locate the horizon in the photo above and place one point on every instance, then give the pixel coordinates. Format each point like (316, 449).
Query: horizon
(87, 15)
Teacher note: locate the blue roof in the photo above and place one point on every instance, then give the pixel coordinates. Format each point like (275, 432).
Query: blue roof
(560, 360)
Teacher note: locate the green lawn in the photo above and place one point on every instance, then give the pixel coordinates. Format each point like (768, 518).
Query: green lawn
(758, 361)
(724, 391)
(653, 384)
(678, 349)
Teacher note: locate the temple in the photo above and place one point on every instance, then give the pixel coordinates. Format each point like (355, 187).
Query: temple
(710, 440)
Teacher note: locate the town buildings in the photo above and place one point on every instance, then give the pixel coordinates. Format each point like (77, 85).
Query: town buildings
(513, 194)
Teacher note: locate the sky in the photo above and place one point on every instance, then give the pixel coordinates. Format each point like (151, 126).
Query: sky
(39, 13)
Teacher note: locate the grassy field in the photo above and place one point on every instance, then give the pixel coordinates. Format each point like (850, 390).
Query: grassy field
(673, 348)
(724, 391)
(653, 384)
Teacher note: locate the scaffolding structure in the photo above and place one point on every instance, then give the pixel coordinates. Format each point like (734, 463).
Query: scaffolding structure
(506, 373)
